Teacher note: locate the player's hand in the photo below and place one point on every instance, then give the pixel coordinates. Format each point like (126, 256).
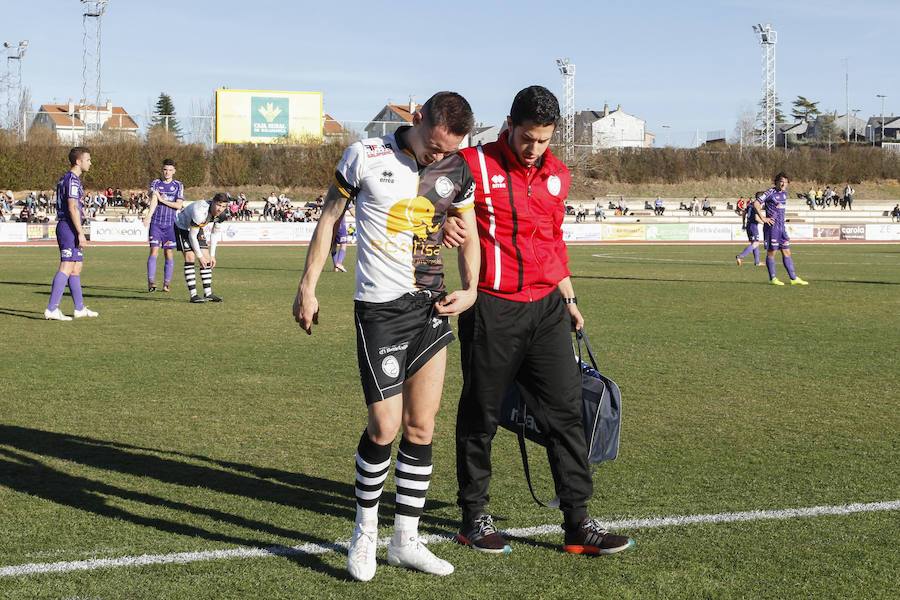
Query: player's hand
(456, 303)
(82, 241)
(205, 262)
(212, 261)
(146, 222)
(577, 319)
(306, 311)
(768, 221)
(454, 232)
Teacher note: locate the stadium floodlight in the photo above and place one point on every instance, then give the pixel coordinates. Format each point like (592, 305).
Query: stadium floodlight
(768, 37)
(13, 80)
(882, 96)
(91, 24)
(567, 70)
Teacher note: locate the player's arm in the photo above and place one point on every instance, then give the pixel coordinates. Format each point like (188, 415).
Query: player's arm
(193, 235)
(759, 212)
(154, 202)
(567, 290)
(177, 203)
(306, 305)
(469, 259)
(75, 219)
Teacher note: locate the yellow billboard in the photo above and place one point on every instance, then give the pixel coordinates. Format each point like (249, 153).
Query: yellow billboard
(267, 116)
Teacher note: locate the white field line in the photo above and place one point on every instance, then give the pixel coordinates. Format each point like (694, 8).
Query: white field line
(315, 549)
(724, 262)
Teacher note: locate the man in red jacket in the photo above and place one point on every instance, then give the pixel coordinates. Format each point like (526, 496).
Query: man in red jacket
(520, 326)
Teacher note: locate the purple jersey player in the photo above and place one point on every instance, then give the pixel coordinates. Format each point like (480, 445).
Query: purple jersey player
(70, 238)
(775, 231)
(339, 249)
(166, 198)
(753, 221)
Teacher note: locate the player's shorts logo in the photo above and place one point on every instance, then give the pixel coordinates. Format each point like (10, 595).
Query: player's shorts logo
(443, 186)
(413, 214)
(66, 253)
(554, 185)
(390, 366)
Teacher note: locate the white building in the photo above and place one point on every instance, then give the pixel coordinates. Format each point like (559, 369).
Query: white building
(611, 129)
(73, 124)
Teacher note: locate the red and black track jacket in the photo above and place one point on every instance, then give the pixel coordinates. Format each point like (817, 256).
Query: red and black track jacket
(520, 212)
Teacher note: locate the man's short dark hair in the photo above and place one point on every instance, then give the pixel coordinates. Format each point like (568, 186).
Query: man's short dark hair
(168, 162)
(536, 104)
(779, 175)
(76, 153)
(220, 197)
(450, 110)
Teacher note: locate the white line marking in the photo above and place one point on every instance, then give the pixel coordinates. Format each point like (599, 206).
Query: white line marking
(315, 549)
(724, 262)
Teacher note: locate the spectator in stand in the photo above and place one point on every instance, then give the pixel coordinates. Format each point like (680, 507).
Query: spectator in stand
(234, 209)
(623, 206)
(708, 208)
(895, 214)
(598, 212)
(695, 207)
(827, 196)
(30, 202)
(5, 208)
(658, 207)
(848, 196)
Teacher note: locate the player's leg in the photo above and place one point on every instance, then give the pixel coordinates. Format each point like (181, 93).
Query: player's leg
(789, 266)
(169, 269)
(190, 275)
(69, 255)
(77, 296)
(756, 262)
(151, 264)
(771, 242)
(206, 278)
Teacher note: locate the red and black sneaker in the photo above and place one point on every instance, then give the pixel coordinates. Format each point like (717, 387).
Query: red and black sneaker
(591, 538)
(481, 534)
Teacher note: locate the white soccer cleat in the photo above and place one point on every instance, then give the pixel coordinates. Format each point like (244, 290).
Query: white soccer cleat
(361, 555)
(55, 315)
(414, 555)
(86, 312)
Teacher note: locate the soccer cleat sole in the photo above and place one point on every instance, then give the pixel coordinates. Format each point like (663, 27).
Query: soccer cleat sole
(594, 550)
(464, 541)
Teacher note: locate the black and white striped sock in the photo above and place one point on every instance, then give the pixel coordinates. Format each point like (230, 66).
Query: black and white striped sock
(190, 278)
(372, 465)
(412, 476)
(206, 277)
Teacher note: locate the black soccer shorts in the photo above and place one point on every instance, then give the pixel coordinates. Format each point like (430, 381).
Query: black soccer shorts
(394, 339)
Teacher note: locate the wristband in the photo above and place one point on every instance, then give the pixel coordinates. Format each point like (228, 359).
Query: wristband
(572, 300)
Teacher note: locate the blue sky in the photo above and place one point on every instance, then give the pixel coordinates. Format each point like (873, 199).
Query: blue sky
(690, 65)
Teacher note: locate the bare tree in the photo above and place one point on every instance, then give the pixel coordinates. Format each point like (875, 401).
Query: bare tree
(745, 127)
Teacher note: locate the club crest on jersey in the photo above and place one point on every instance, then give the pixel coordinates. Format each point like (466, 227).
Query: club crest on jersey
(498, 182)
(412, 214)
(443, 186)
(390, 366)
(554, 185)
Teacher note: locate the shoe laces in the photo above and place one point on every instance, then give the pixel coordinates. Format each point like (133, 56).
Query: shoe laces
(363, 550)
(485, 525)
(593, 527)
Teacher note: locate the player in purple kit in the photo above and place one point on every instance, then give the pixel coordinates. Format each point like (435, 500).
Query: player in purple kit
(70, 238)
(339, 250)
(753, 220)
(775, 230)
(166, 197)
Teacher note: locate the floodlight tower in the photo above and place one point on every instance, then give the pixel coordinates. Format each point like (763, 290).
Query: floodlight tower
(567, 69)
(91, 22)
(768, 37)
(13, 78)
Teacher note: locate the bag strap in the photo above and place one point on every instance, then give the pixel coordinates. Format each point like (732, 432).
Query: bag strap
(582, 338)
(520, 435)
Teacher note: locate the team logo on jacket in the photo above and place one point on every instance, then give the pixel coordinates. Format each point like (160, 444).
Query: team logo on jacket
(498, 182)
(554, 185)
(390, 366)
(412, 214)
(443, 186)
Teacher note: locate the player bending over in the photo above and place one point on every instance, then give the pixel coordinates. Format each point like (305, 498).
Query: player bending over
(196, 228)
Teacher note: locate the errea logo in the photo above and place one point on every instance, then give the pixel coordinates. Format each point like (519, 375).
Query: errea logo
(387, 177)
(498, 182)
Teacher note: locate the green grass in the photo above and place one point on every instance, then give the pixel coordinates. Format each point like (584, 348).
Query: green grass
(167, 427)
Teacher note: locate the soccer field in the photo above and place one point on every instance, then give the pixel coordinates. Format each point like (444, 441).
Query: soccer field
(135, 445)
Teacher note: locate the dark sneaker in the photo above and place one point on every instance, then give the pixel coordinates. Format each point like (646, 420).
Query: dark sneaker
(212, 298)
(197, 300)
(151, 287)
(591, 538)
(481, 534)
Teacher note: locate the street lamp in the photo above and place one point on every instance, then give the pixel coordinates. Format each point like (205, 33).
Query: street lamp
(882, 96)
(668, 129)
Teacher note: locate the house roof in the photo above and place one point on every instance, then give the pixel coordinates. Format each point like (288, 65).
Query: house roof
(795, 128)
(332, 127)
(402, 111)
(59, 114)
(889, 121)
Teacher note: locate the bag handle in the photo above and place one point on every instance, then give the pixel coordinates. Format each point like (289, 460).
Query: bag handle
(582, 338)
(520, 435)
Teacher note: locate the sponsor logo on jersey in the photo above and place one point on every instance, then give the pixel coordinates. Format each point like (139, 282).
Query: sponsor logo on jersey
(390, 366)
(443, 186)
(435, 322)
(412, 214)
(498, 182)
(387, 177)
(397, 348)
(373, 150)
(554, 185)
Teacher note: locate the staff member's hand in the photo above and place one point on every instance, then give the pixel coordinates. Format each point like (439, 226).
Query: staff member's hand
(454, 232)
(577, 319)
(456, 303)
